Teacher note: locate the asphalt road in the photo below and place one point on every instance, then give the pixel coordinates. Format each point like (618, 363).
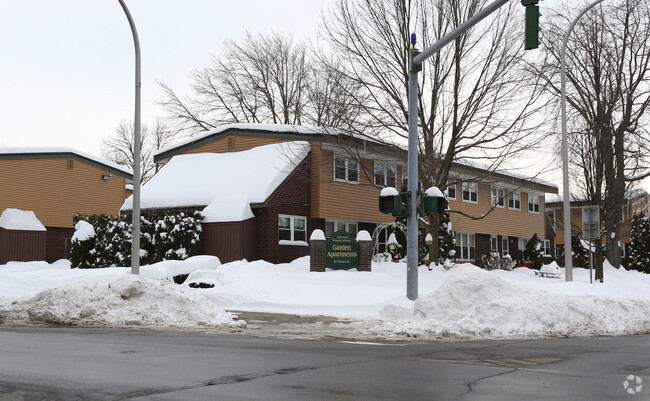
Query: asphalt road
(70, 364)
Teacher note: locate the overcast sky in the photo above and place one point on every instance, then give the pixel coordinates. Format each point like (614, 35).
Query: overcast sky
(67, 66)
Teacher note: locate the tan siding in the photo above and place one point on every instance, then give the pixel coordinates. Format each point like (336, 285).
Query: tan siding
(240, 143)
(343, 201)
(55, 192)
(501, 221)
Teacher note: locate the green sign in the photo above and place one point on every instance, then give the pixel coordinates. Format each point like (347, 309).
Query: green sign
(341, 251)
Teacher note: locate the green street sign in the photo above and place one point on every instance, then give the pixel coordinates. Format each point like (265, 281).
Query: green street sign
(341, 251)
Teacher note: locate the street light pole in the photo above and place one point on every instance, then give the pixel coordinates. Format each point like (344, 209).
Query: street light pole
(135, 235)
(415, 66)
(568, 261)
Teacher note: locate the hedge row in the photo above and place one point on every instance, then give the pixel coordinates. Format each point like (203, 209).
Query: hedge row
(164, 236)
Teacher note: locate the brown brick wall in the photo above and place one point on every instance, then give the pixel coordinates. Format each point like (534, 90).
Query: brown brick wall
(58, 243)
(292, 198)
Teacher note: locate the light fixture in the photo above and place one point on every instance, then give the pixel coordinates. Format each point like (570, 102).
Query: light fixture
(105, 177)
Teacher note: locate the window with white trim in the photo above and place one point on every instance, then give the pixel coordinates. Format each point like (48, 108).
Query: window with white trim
(546, 244)
(451, 191)
(345, 169)
(514, 200)
(494, 243)
(497, 198)
(622, 250)
(332, 226)
(465, 248)
(470, 192)
(385, 174)
(505, 250)
(292, 228)
(533, 203)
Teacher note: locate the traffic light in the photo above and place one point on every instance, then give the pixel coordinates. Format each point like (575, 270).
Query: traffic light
(433, 202)
(390, 201)
(532, 24)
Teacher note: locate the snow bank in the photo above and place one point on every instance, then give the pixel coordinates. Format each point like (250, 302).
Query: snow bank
(120, 300)
(16, 219)
(166, 270)
(473, 303)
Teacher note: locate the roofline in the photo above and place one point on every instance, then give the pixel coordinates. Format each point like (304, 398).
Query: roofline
(335, 135)
(329, 135)
(64, 155)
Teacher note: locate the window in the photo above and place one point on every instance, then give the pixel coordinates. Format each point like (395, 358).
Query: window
(550, 214)
(292, 228)
(504, 246)
(385, 175)
(498, 196)
(624, 214)
(346, 169)
(521, 246)
(465, 246)
(533, 203)
(332, 226)
(494, 243)
(514, 200)
(546, 243)
(470, 192)
(559, 250)
(451, 191)
(622, 250)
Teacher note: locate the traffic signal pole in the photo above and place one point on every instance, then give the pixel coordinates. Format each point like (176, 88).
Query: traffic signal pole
(415, 66)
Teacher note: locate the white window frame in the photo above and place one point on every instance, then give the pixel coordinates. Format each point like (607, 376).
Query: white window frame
(347, 224)
(385, 167)
(495, 199)
(447, 191)
(347, 161)
(533, 200)
(546, 244)
(505, 248)
(512, 198)
(465, 241)
(292, 229)
(494, 243)
(472, 188)
(622, 250)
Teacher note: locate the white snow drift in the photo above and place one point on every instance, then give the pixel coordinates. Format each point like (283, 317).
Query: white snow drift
(463, 303)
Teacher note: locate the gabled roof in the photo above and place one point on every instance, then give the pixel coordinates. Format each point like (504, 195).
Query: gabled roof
(223, 185)
(57, 152)
(345, 138)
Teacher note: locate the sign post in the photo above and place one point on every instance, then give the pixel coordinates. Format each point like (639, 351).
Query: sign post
(341, 251)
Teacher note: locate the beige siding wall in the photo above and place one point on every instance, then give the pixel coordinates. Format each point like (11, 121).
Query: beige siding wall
(501, 221)
(576, 221)
(344, 201)
(56, 192)
(237, 144)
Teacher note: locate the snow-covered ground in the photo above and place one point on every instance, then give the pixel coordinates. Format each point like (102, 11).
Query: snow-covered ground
(464, 302)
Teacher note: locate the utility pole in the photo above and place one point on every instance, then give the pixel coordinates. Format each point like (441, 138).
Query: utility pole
(135, 235)
(415, 66)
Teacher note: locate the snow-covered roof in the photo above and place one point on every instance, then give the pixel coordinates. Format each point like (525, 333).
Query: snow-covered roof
(16, 219)
(309, 132)
(60, 152)
(224, 184)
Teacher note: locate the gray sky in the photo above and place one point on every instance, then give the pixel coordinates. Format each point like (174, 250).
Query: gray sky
(67, 66)
(67, 73)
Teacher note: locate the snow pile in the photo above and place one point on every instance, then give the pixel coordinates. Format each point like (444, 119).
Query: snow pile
(551, 268)
(16, 219)
(83, 230)
(120, 300)
(168, 269)
(473, 303)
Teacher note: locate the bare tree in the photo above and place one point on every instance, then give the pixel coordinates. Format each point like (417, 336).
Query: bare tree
(261, 80)
(476, 101)
(608, 93)
(118, 147)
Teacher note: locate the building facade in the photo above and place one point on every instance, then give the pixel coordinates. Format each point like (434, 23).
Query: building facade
(336, 186)
(56, 183)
